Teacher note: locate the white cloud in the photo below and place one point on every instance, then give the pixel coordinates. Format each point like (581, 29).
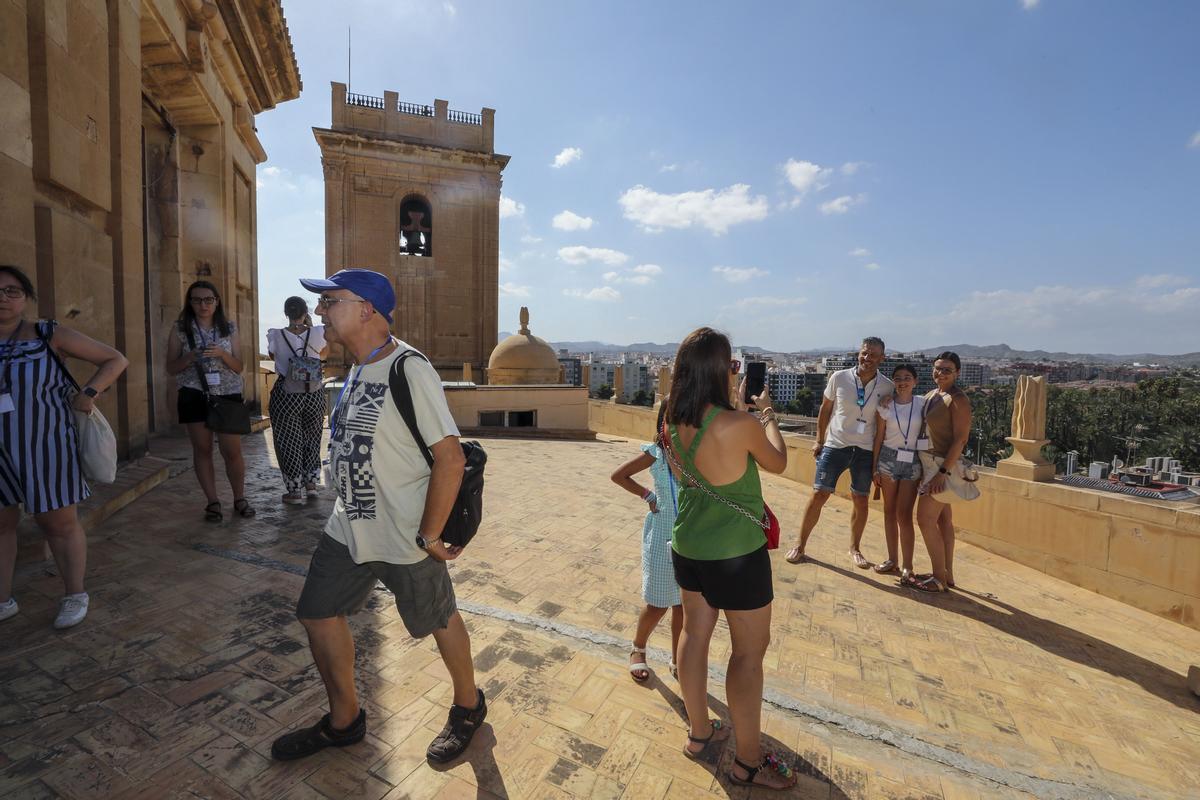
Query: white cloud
(1158, 281)
(860, 252)
(840, 205)
(1029, 4)
(566, 156)
(512, 290)
(648, 269)
(872, 266)
(668, 168)
(1195, 142)
(601, 294)
(611, 276)
(739, 274)
(511, 208)
(451, 11)
(771, 301)
(641, 275)
(578, 254)
(505, 263)
(852, 167)
(805, 175)
(276, 178)
(529, 238)
(714, 209)
(570, 221)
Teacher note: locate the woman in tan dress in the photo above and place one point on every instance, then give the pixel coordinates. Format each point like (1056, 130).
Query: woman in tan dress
(948, 422)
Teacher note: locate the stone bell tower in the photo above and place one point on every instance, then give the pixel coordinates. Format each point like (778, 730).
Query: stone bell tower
(413, 191)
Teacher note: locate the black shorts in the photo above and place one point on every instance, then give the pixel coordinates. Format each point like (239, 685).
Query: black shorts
(731, 584)
(192, 405)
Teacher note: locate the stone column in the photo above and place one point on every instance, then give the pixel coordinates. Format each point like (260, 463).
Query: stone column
(618, 382)
(1028, 433)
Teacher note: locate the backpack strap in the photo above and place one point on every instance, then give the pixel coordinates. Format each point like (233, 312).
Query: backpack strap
(402, 396)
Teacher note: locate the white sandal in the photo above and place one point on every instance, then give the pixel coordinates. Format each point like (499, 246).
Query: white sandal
(634, 669)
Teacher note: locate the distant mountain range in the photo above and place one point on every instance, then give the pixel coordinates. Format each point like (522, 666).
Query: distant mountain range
(970, 352)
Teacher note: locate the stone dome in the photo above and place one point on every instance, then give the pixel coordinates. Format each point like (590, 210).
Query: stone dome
(523, 359)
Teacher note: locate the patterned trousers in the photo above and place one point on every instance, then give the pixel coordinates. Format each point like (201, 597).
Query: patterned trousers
(296, 423)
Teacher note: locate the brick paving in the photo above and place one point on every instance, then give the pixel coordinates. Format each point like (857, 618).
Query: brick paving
(191, 662)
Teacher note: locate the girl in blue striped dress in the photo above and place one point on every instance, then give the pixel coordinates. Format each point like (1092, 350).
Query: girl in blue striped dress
(659, 590)
(40, 470)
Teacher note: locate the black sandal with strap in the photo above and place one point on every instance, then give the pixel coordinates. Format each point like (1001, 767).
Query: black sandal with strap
(307, 741)
(242, 506)
(212, 512)
(705, 741)
(771, 762)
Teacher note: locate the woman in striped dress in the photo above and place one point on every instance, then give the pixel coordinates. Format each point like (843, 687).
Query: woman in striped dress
(297, 401)
(39, 444)
(659, 589)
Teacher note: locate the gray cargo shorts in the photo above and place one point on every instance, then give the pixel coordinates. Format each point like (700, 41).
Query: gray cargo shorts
(336, 586)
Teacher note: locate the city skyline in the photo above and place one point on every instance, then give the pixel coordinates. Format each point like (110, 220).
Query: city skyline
(1038, 193)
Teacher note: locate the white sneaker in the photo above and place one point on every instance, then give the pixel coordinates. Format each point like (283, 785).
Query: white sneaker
(313, 493)
(72, 611)
(8, 608)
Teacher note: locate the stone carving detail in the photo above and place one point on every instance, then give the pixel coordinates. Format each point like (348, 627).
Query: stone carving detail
(1029, 408)
(524, 320)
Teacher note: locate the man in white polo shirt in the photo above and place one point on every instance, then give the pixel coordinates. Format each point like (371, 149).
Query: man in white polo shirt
(845, 437)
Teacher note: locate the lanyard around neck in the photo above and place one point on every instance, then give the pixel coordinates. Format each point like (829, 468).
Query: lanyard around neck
(863, 391)
(912, 408)
(349, 385)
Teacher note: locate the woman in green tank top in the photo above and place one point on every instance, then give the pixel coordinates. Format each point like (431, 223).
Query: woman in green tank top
(719, 550)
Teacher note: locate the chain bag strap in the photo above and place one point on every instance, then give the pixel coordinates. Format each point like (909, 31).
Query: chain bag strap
(764, 522)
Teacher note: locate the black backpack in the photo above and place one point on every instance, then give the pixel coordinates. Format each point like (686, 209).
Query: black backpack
(467, 512)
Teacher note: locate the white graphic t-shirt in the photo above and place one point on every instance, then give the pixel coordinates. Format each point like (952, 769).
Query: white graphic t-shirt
(842, 388)
(375, 465)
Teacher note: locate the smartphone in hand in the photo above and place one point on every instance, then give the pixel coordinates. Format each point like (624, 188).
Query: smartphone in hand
(756, 379)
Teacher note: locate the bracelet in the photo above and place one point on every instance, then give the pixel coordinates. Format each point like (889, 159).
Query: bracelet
(645, 493)
(766, 416)
(651, 497)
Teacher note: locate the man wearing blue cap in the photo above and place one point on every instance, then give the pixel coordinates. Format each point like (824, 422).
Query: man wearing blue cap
(386, 522)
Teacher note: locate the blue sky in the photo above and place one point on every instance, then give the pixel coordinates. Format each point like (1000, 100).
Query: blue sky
(799, 174)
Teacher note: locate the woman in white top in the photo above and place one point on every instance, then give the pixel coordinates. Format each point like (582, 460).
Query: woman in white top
(297, 400)
(898, 467)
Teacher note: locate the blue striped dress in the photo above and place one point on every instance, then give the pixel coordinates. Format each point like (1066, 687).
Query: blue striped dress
(39, 444)
(659, 588)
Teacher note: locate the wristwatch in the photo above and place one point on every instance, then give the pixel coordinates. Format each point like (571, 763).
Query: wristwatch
(943, 470)
(422, 542)
(90, 391)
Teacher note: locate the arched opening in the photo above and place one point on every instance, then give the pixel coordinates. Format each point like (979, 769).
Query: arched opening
(416, 226)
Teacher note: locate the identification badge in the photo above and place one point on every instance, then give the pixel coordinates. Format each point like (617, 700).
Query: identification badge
(923, 444)
(860, 426)
(905, 456)
(212, 378)
(6, 403)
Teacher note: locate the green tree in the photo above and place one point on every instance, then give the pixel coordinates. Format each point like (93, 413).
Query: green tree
(641, 398)
(605, 392)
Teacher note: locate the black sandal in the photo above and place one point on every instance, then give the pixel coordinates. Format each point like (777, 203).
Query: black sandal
(307, 741)
(770, 761)
(717, 725)
(243, 507)
(460, 728)
(212, 512)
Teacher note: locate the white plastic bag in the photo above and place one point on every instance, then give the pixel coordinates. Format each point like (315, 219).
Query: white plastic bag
(97, 446)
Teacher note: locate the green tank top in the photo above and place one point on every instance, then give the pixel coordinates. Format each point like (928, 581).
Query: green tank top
(706, 529)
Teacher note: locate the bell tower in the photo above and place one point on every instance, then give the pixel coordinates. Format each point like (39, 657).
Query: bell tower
(413, 191)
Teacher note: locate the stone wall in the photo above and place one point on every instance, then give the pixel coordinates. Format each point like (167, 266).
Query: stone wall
(1142, 552)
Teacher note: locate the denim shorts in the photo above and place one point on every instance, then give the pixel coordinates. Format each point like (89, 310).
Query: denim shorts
(891, 467)
(833, 461)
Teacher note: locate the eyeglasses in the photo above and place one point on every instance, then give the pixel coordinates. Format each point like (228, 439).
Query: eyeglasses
(14, 292)
(735, 366)
(328, 301)
(944, 370)
(203, 301)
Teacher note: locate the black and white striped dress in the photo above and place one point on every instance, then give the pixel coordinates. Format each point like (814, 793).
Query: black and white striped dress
(39, 444)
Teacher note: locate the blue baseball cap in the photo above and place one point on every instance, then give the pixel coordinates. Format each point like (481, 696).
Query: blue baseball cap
(366, 283)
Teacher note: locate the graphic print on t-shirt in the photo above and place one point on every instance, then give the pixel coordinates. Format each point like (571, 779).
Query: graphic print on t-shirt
(350, 457)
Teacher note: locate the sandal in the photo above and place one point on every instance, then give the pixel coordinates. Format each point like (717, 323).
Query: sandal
(930, 584)
(636, 667)
(886, 567)
(674, 668)
(307, 741)
(795, 556)
(706, 741)
(312, 491)
(293, 499)
(860, 560)
(242, 507)
(212, 512)
(770, 762)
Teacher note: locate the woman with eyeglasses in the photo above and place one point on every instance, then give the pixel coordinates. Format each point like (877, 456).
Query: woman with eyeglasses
(719, 550)
(297, 400)
(202, 354)
(897, 470)
(948, 422)
(40, 469)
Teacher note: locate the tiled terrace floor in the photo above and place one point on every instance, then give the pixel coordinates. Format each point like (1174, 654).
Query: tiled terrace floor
(191, 663)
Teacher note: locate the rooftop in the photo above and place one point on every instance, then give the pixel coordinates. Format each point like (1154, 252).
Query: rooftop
(191, 662)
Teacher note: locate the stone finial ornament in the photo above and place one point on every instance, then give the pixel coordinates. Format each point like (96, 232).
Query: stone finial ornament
(1028, 433)
(524, 320)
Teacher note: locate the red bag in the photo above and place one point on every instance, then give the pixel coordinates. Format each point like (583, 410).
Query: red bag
(772, 530)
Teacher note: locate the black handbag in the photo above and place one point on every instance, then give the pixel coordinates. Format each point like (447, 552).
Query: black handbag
(467, 513)
(224, 415)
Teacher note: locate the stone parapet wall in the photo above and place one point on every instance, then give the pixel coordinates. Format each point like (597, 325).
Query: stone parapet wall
(1141, 552)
